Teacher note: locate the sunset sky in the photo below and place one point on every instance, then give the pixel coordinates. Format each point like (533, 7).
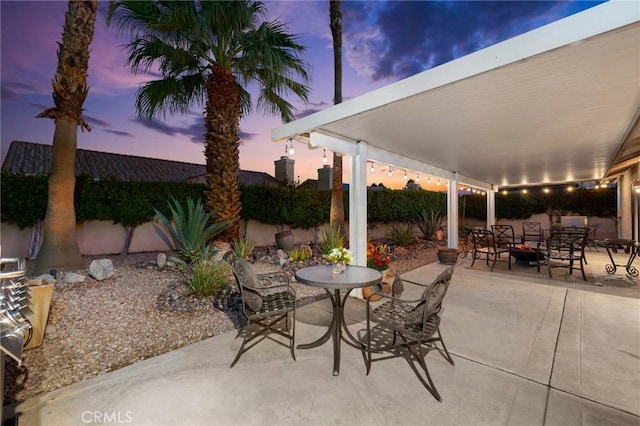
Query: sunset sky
(383, 41)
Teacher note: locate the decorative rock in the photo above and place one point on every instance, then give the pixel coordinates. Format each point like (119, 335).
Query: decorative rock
(171, 264)
(222, 245)
(72, 278)
(161, 260)
(45, 278)
(50, 332)
(101, 269)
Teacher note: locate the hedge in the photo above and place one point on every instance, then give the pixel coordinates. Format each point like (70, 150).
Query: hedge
(24, 201)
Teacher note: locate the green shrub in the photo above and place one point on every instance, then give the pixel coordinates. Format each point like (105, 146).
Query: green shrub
(205, 276)
(190, 229)
(401, 235)
(301, 253)
(429, 222)
(333, 237)
(243, 247)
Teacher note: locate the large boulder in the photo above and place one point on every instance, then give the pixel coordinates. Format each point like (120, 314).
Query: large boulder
(101, 269)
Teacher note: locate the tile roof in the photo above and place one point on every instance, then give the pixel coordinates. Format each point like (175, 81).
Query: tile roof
(34, 159)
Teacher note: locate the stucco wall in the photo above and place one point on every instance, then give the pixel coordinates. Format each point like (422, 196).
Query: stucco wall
(103, 237)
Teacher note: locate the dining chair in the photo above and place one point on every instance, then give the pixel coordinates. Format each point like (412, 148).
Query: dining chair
(565, 249)
(485, 245)
(407, 327)
(532, 231)
(268, 310)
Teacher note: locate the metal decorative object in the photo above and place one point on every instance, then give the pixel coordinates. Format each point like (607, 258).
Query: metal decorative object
(15, 310)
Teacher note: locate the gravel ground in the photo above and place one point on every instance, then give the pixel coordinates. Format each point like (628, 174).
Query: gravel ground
(99, 326)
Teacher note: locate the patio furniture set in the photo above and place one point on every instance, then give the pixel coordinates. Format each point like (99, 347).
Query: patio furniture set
(395, 327)
(560, 248)
(556, 248)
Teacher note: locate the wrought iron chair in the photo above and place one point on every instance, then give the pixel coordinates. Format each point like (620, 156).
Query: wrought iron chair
(532, 231)
(409, 328)
(592, 240)
(265, 307)
(566, 246)
(486, 245)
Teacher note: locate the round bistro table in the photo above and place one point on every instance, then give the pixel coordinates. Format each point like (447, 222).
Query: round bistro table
(322, 276)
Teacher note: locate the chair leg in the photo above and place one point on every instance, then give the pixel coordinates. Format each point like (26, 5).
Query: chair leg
(495, 259)
(419, 357)
(293, 334)
(446, 354)
(241, 350)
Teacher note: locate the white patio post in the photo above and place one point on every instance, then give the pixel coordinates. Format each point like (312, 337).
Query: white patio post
(452, 212)
(358, 208)
(358, 205)
(491, 207)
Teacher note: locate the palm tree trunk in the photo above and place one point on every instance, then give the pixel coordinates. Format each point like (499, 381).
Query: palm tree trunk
(336, 215)
(222, 123)
(60, 248)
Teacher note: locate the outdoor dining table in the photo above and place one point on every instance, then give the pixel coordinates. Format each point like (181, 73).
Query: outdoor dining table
(323, 276)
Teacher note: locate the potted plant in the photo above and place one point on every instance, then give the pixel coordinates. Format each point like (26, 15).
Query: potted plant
(447, 256)
(377, 258)
(340, 257)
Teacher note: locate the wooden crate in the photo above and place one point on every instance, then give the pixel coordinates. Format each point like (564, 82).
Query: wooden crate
(41, 295)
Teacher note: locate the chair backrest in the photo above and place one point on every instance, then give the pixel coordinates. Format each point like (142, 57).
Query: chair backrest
(567, 241)
(437, 291)
(503, 235)
(531, 231)
(482, 238)
(431, 299)
(247, 281)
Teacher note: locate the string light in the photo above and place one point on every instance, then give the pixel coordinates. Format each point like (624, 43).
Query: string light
(524, 191)
(291, 150)
(390, 171)
(428, 179)
(546, 190)
(438, 182)
(418, 177)
(324, 156)
(405, 175)
(373, 169)
(569, 188)
(504, 192)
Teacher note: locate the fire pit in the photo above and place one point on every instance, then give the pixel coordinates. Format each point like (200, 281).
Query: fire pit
(526, 255)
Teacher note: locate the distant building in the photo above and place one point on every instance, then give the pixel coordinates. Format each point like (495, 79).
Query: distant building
(35, 159)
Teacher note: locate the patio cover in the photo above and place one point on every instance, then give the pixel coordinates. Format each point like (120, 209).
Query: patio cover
(557, 104)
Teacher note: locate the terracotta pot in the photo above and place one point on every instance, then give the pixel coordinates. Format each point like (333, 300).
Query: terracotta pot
(448, 256)
(384, 287)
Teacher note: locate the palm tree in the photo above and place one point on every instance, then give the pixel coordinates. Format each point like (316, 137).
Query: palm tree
(208, 52)
(60, 248)
(336, 216)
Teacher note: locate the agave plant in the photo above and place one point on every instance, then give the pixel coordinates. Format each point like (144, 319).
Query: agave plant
(333, 238)
(429, 222)
(401, 234)
(189, 228)
(243, 247)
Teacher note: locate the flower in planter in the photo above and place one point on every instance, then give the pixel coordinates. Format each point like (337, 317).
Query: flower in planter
(340, 254)
(377, 257)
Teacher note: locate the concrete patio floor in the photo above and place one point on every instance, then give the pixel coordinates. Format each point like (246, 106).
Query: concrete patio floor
(526, 351)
